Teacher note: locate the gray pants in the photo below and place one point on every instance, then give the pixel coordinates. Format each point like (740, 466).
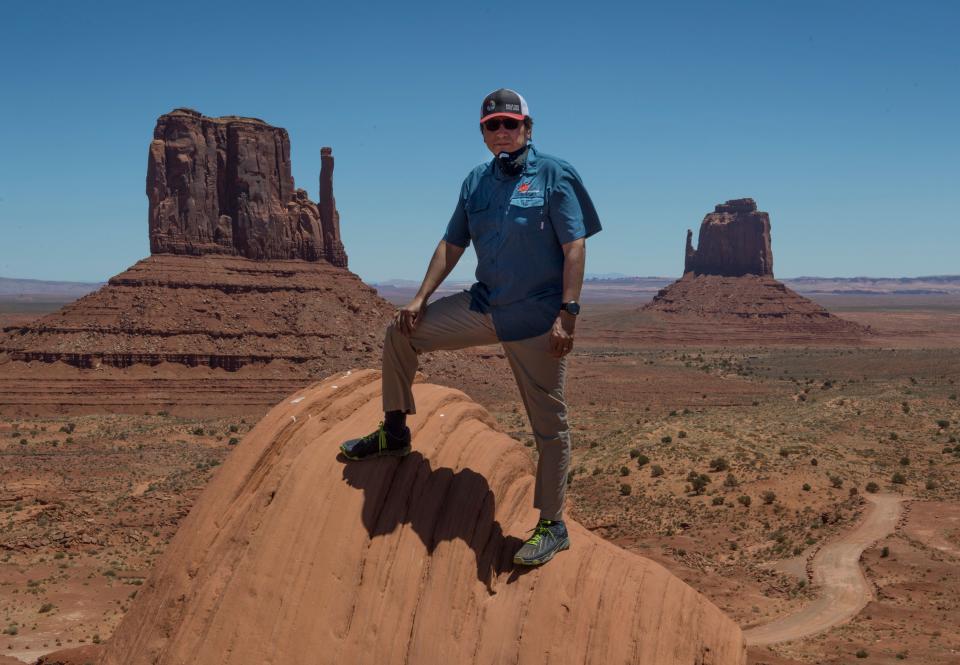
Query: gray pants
(450, 324)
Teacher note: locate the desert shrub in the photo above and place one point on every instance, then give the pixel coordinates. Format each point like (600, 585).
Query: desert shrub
(862, 653)
(624, 471)
(953, 396)
(905, 407)
(698, 481)
(656, 471)
(717, 501)
(673, 413)
(197, 431)
(642, 459)
(719, 464)
(23, 442)
(769, 496)
(813, 461)
(885, 552)
(730, 481)
(744, 500)
(943, 424)
(666, 439)
(46, 607)
(96, 639)
(947, 449)
(904, 461)
(898, 478)
(931, 484)
(681, 434)
(596, 471)
(894, 436)
(233, 441)
(836, 481)
(234, 429)
(806, 487)
(872, 487)
(68, 428)
(625, 489)
(634, 453)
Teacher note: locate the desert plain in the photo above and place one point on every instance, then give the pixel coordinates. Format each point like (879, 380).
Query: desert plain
(733, 465)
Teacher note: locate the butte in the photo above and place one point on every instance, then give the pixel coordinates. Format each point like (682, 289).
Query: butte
(246, 295)
(728, 294)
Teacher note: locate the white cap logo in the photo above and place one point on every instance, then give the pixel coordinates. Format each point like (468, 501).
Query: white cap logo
(491, 105)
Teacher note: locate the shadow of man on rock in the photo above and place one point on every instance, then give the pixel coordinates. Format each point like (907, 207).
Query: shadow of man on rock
(438, 504)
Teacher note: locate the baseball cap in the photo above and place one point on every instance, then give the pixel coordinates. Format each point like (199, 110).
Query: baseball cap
(504, 102)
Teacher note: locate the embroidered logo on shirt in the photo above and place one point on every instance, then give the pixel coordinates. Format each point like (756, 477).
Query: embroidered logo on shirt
(524, 186)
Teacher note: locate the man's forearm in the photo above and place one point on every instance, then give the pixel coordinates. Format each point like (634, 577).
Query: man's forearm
(445, 257)
(574, 260)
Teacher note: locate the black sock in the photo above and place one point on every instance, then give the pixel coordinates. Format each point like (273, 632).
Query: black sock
(395, 422)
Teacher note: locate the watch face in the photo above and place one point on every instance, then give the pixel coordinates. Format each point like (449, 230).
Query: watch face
(572, 307)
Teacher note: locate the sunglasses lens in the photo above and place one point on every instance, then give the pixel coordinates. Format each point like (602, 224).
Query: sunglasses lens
(493, 124)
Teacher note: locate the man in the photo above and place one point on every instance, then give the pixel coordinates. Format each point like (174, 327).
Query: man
(528, 216)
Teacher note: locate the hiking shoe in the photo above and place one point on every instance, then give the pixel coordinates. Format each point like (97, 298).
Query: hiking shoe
(380, 443)
(548, 538)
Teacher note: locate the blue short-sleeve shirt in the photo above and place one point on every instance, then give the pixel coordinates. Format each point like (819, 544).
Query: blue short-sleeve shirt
(517, 225)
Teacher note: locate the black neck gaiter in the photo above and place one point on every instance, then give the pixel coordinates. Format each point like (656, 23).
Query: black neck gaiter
(512, 163)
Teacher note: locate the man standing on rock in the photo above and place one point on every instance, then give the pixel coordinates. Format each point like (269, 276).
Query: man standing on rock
(528, 215)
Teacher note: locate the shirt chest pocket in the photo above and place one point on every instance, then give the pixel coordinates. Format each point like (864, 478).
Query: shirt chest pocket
(480, 217)
(526, 215)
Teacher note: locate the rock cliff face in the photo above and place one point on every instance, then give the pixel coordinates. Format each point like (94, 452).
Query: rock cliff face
(734, 241)
(224, 186)
(246, 275)
(728, 293)
(291, 555)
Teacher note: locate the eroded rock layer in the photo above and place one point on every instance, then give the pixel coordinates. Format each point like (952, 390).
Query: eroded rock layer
(728, 294)
(214, 311)
(758, 309)
(734, 240)
(224, 186)
(293, 555)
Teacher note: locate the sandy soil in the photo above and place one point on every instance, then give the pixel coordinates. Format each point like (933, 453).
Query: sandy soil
(796, 430)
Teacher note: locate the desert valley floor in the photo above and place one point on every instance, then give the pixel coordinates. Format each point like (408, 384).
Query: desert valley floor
(733, 466)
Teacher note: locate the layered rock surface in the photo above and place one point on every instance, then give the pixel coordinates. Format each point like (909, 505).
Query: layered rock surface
(734, 241)
(293, 555)
(224, 186)
(728, 293)
(247, 275)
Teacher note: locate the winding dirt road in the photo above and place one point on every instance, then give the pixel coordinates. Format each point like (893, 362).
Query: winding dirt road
(837, 572)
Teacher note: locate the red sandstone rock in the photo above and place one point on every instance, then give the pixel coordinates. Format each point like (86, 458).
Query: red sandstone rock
(224, 186)
(728, 293)
(292, 555)
(734, 240)
(85, 655)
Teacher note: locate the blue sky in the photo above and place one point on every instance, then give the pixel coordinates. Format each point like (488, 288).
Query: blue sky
(839, 118)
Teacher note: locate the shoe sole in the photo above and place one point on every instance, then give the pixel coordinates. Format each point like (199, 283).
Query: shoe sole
(564, 545)
(400, 452)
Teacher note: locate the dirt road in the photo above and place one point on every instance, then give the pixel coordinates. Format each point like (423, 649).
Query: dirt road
(837, 572)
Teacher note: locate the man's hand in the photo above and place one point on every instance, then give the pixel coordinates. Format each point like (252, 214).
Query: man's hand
(408, 316)
(561, 335)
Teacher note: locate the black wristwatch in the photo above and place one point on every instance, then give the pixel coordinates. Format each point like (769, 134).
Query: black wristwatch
(572, 307)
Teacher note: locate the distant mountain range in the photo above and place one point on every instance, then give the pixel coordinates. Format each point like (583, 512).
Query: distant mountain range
(38, 290)
(597, 287)
(622, 288)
